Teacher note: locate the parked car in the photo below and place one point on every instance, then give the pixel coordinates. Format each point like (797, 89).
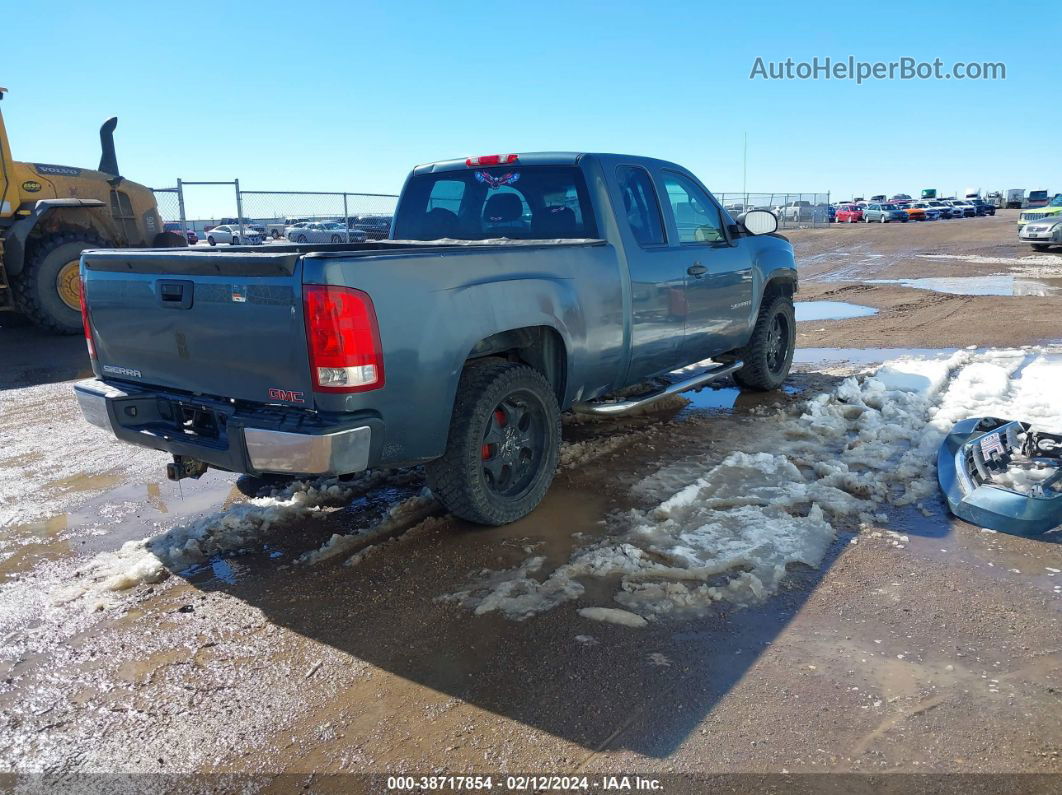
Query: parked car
(189, 234)
(375, 227)
(1043, 232)
(983, 207)
(231, 234)
(849, 214)
(879, 199)
(1053, 209)
(968, 210)
(932, 213)
(884, 213)
(325, 232)
(460, 359)
(913, 213)
(900, 197)
(946, 210)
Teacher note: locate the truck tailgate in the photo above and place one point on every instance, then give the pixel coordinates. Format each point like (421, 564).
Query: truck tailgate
(223, 324)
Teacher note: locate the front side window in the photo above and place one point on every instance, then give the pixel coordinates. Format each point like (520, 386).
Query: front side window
(641, 206)
(696, 215)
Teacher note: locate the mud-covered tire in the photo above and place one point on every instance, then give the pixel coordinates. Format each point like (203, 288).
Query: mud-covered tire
(462, 478)
(769, 353)
(35, 291)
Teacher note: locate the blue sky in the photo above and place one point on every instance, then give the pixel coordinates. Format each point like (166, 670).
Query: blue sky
(348, 96)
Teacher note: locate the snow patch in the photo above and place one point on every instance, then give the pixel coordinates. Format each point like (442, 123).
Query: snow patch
(238, 527)
(727, 530)
(611, 615)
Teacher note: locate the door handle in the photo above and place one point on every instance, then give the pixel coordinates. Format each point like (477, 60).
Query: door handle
(696, 270)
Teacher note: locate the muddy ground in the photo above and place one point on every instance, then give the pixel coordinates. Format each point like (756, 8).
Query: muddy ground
(980, 255)
(936, 649)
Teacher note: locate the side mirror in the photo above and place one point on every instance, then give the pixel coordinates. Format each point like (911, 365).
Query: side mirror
(759, 222)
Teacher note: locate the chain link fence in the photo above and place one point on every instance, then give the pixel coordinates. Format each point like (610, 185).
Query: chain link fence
(794, 210)
(279, 214)
(285, 213)
(169, 201)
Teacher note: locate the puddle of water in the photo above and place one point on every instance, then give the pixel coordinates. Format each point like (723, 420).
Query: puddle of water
(831, 310)
(864, 355)
(979, 285)
(730, 397)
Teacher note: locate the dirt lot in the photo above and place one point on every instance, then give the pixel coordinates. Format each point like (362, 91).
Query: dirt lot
(919, 644)
(981, 254)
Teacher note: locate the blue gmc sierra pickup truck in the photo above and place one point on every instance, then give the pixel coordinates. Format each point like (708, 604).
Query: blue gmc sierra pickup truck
(511, 288)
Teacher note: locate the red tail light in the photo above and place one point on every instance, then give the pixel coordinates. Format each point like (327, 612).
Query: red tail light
(491, 160)
(343, 338)
(85, 323)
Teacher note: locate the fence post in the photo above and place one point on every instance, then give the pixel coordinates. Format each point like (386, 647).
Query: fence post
(346, 217)
(180, 205)
(239, 207)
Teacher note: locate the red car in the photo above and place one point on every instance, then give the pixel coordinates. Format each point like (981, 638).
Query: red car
(852, 213)
(190, 234)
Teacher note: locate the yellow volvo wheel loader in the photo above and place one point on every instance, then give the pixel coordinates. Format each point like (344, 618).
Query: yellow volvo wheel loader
(49, 214)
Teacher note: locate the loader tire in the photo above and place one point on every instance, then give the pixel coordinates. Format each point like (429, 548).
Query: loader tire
(49, 288)
(769, 353)
(503, 444)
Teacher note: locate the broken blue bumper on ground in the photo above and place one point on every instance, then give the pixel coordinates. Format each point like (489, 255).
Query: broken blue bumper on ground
(979, 449)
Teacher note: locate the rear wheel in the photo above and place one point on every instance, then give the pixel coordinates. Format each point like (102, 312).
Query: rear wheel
(300, 239)
(48, 291)
(503, 444)
(769, 353)
(211, 240)
(235, 240)
(335, 239)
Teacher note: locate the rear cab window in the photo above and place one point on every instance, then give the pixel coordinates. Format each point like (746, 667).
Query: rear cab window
(512, 201)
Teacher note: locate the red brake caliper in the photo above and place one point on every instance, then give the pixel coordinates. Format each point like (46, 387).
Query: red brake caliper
(485, 449)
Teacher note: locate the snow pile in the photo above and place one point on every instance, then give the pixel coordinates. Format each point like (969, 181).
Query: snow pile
(151, 559)
(514, 593)
(728, 530)
(403, 514)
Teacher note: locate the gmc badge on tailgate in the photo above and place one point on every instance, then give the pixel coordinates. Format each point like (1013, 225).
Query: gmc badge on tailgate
(284, 394)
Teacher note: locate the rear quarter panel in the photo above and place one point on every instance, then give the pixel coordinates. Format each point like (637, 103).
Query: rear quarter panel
(433, 307)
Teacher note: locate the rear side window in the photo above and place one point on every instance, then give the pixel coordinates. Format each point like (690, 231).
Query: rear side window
(640, 205)
(522, 203)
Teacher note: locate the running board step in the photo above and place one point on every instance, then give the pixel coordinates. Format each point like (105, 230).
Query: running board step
(616, 407)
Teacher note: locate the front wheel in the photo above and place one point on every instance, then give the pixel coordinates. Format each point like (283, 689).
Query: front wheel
(335, 239)
(503, 444)
(882, 218)
(211, 240)
(235, 241)
(1040, 246)
(300, 239)
(48, 291)
(769, 353)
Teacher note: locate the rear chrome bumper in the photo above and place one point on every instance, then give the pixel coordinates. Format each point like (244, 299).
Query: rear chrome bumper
(308, 453)
(139, 417)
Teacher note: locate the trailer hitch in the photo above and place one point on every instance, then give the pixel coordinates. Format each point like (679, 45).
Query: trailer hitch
(183, 467)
